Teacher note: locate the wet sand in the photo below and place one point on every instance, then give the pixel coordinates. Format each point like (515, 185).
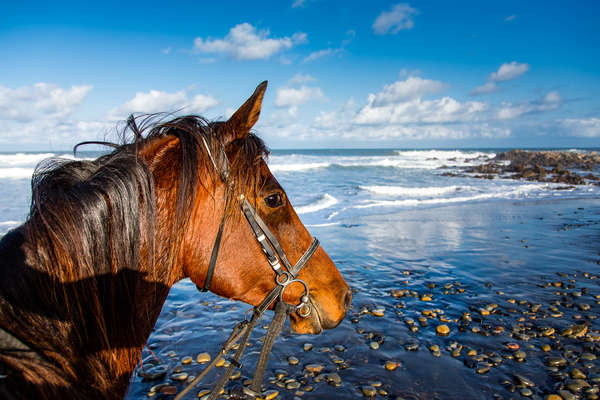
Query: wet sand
(494, 273)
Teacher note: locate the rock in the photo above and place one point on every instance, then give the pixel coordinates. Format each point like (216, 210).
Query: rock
(307, 346)
(443, 330)
(553, 397)
(411, 346)
(368, 391)
(374, 345)
(391, 365)
(526, 392)
(483, 368)
(378, 312)
(520, 355)
(153, 373)
(203, 358)
(566, 395)
(292, 385)
(270, 394)
(168, 390)
(292, 360)
(523, 381)
(555, 361)
(187, 360)
(181, 376)
(512, 346)
(314, 368)
(334, 379)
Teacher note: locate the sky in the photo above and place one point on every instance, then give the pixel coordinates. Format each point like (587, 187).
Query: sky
(342, 74)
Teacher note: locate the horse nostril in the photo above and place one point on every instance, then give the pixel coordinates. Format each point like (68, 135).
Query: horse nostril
(348, 299)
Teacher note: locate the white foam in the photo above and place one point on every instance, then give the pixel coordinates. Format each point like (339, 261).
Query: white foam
(325, 201)
(22, 159)
(323, 225)
(522, 191)
(413, 191)
(9, 223)
(16, 173)
(296, 167)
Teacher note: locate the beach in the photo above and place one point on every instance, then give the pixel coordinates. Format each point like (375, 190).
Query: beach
(510, 268)
(499, 256)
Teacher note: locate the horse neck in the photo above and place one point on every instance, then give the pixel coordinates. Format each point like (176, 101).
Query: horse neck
(90, 329)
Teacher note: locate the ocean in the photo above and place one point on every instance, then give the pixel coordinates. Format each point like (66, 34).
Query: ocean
(497, 261)
(329, 187)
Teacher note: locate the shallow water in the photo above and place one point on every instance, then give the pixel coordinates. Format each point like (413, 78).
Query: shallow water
(482, 246)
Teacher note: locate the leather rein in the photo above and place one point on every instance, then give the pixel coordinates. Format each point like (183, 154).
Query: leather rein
(283, 278)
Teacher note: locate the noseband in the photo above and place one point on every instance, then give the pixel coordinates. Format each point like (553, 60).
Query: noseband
(283, 278)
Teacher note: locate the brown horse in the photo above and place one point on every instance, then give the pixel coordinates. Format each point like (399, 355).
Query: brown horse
(83, 280)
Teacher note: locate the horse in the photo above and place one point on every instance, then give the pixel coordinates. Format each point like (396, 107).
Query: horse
(83, 280)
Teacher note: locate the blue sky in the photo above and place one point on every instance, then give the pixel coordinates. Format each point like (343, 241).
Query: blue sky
(341, 73)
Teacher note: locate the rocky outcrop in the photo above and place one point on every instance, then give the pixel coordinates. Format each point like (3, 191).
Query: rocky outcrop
(542, 166)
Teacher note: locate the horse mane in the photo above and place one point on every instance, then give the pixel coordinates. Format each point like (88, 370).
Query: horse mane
(93, 230)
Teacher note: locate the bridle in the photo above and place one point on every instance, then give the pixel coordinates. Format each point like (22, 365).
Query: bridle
(283, 278)
(268, 242)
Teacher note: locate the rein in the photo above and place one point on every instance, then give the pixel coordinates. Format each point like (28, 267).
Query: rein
(283, 278)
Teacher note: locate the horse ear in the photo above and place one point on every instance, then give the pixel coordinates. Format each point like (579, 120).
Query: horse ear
(245, 117)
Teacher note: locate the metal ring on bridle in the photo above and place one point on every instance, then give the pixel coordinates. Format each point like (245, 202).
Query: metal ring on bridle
(288, 278)
(303, 305)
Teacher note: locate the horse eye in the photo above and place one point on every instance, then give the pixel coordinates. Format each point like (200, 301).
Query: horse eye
(274, 200)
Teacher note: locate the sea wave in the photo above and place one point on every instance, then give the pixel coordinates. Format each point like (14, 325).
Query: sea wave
(414, 191)
(414, 159)
(23, 159)
(522, 191)
(325, 201)
(16, 173)
(297, 167)
(9, 223)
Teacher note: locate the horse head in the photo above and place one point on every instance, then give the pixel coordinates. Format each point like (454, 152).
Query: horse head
(242, 271)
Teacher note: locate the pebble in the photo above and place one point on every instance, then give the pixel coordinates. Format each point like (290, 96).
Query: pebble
(553, 397)
(292, 360)
(307, 346)
(269, 395)
(391, 365)
(220, 362)
(512, 346)
(368, 391)
(555, 361)
(526, 392)
(520, 355)
(411, 346)
(314, 368)
(187, 360)
(334, 379)
(168, 390)
(154, 372)
(523, 381)
(374, 345)
(378, 312)
(577, 374)
(181, 376)
(203, 358)
(443, 330)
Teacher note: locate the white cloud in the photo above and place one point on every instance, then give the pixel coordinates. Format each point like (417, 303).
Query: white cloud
(166, 50)
(550, 101)
(414, 111)
(292, 97)
(298, 3)
(506, 72)
(411, 88)
(244, 42)
(41, 100)
(487, 87)
(318, 54)
(585, 127)
(510, 18)
(301, 78)
(398, 18)
(509, 71)
(156, 101)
